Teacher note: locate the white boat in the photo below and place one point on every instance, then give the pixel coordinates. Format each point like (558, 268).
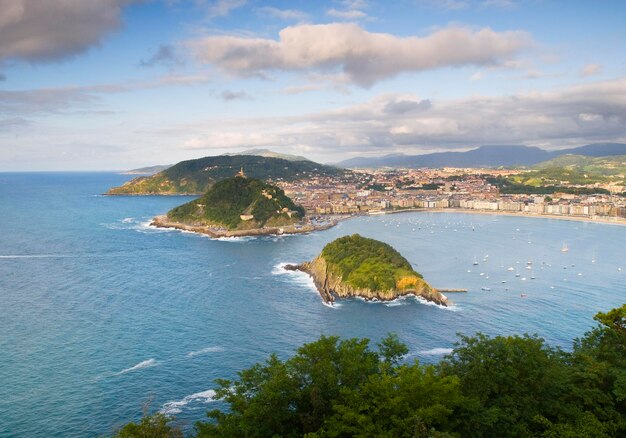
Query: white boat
(511, 269)
(564, 248)
(486, 288)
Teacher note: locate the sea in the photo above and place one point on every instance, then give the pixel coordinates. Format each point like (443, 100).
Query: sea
(103, 318)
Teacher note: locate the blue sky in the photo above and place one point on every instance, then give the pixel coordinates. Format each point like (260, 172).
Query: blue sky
(116, 84)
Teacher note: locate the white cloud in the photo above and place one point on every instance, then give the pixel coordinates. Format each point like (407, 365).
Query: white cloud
(407, 123)
(221, 8)
(283, 14)
(364, 57)
(36, 31)
(590, 70)
(350, 14)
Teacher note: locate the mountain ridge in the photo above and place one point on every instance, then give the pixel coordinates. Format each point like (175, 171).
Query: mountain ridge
(485, 156)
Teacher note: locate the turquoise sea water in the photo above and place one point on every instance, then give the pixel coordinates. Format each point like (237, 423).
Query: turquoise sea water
(100, 314)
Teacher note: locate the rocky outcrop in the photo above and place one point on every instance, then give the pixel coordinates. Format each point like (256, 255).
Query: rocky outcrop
(330, 286)
(220, 232)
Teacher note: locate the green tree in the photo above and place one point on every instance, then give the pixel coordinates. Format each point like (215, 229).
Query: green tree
(150, 426)
(509, 381)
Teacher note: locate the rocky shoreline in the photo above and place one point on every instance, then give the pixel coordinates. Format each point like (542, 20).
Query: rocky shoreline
(218, 232)
(331, 286)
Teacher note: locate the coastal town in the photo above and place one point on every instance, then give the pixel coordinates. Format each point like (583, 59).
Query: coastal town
(384, 191)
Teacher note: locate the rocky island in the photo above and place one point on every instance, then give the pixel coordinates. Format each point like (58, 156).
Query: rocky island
(355, 266)
(240, 206)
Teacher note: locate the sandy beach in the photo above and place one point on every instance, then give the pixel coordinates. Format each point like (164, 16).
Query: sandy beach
(594, 219)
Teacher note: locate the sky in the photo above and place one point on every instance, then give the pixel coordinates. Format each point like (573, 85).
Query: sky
(119, 84)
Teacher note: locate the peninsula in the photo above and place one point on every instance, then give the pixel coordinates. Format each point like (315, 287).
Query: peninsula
(355, 266)
(240, 206)
(195, 177)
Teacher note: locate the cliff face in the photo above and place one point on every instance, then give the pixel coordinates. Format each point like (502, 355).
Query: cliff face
(331, 286)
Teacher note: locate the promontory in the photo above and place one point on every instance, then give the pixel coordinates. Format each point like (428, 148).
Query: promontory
(240, 206)
(355, 266)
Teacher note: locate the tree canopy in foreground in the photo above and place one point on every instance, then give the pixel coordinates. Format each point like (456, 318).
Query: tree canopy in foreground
(514, 386)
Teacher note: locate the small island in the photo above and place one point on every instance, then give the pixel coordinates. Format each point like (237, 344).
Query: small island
(240, 206)
(355, 266)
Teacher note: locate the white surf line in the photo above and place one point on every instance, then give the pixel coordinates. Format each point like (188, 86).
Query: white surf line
(204, 351)
(436, 351)
(176, 407)
(141, 365)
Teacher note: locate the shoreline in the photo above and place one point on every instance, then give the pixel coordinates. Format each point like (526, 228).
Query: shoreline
(162, 221)
(596, 219)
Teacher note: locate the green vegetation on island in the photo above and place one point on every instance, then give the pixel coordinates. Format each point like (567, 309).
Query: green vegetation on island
(355, 266)
(239, 203)
(196, 176)
(368, 263)
(504, 386)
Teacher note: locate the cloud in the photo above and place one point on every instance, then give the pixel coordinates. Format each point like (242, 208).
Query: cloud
(165, 55)
(447, 5)
(364, 57)
(351, 10)
(350, 14)
(283, 14)
(39, 31)
(44, 100)
(408, 123)
(498, 3)
(221, 8)
(234, 95)
(590, 70)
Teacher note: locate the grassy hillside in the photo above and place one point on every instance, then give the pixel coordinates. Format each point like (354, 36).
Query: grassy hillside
(581, 168)
(196, 176)
(368, 263)
(227, 200)
(561, 174)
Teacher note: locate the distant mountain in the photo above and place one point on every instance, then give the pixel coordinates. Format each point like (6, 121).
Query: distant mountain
(484, 156)
(269, 154)
(196, 176)
(150, 170)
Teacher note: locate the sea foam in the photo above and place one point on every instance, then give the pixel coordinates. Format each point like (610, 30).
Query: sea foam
(176, 407)
(204, 351)
(436, 351)
(145, 364)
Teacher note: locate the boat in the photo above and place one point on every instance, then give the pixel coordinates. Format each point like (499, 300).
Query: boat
(564, 248)
(523, 295)
(486, 288)
(511, 269)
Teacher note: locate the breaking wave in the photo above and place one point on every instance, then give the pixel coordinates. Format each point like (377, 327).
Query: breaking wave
(436, 351)
(176, 407)
(141, 365)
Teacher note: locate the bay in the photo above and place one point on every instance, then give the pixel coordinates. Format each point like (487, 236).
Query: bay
(99, 313)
